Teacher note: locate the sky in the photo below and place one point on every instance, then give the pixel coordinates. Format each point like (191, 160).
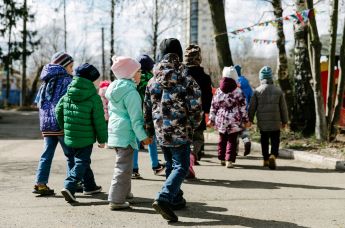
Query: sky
(86, 17)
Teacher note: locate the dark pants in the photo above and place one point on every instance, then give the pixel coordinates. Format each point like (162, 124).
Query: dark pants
(266, 137)
(81, 157)
(227, 146)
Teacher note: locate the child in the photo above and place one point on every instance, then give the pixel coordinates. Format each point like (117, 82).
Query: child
(80, 114)
(103, 85)
(269, 105)
(228, 113)
(56, 76)
(172, 111)
(146, 74)
(126, 123)
(248, 93)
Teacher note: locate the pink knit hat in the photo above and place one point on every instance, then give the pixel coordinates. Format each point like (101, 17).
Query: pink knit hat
(124, 67)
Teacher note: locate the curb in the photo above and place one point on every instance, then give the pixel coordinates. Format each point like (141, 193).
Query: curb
(322, 161)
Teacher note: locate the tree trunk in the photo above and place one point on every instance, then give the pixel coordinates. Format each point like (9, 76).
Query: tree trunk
(314, 45)
(8, 66)
(25, 19)
(64, 25)
(155, 31)
(303, 113)
(331, 62)
(340, 91)
(33, 91)
(283, 73)
(112, 15)
(220, 33)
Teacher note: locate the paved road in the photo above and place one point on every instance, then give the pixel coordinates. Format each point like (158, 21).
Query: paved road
(295, 195)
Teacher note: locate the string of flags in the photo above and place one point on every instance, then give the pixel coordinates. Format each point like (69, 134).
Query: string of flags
(264, 41)
(298, 17)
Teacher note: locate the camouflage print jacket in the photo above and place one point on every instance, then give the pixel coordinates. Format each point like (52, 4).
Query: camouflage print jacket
(172, 105)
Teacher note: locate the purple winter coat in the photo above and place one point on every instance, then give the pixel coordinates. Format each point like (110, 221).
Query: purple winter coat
(55, 82)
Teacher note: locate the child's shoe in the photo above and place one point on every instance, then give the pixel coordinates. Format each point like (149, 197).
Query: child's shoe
(229, 164)
(97, 189)
(159, 169)
(222, 162)
(69, 197)
(118, 206)
(80, 187)
(43, 190)
(265, 164)
(136, 175)
(165, 210)
(272, 162)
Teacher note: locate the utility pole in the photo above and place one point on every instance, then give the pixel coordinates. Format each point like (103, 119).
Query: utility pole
(112, 16)
(25, 19)
(64, 24)
(103, 59)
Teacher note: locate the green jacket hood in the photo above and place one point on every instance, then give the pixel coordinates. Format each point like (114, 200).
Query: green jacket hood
(119, 88)
(81, 89)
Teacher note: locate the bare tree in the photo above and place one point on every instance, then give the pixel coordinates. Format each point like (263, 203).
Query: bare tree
(112, 16)
(314, 46)
(331, 62)
(220, 33)
(303, 113)
(340, 91)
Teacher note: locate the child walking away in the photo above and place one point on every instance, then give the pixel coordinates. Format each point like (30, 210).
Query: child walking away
(268, 103)
(80, 113)
(228, 113)
(172, 111)
(56, 77)
(248, 93)
(126, 123)
(103, 85)
(193, 68)
(146, 74)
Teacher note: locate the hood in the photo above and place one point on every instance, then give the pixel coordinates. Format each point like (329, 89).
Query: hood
(81, 89)
(169, 71)
(50, 71)
(119, 88)
(227, 85)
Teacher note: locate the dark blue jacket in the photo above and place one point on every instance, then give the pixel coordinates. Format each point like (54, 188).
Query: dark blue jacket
(55, 82)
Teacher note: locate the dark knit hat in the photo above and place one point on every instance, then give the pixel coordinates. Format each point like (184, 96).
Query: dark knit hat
(87, 71)
(146, 62)
(265, 73)
(170, 45)
(61, 58)
(193, 55)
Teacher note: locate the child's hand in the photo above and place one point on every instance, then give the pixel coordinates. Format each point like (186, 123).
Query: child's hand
(101, 145)
(248, 125)
(147, 141)
(209, 124)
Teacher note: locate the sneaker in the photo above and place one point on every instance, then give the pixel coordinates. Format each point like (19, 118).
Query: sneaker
(180, 205)
(229, 164)
(159, 169)
(97, 189)
(165, 210)
(247, 147)
(265, 163)
(136, 175)
(222, 163)
(130, 196)
(43, 190)
(80, 187)
(272, 162)
(69, 197)
(118, 206)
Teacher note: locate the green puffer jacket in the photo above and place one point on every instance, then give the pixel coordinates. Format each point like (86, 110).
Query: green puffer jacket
(80, 113)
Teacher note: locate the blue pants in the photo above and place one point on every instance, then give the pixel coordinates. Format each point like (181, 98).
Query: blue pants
(81, 158)
(153, 154)
(44, 165)
(177, 164)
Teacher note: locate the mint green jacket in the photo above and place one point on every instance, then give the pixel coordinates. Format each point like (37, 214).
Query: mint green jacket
(126, 122)
(80, 114)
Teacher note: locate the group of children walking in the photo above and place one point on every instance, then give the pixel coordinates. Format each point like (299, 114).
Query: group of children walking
(164, 105)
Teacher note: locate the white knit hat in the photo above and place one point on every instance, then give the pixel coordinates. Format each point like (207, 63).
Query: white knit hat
(230, 72)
